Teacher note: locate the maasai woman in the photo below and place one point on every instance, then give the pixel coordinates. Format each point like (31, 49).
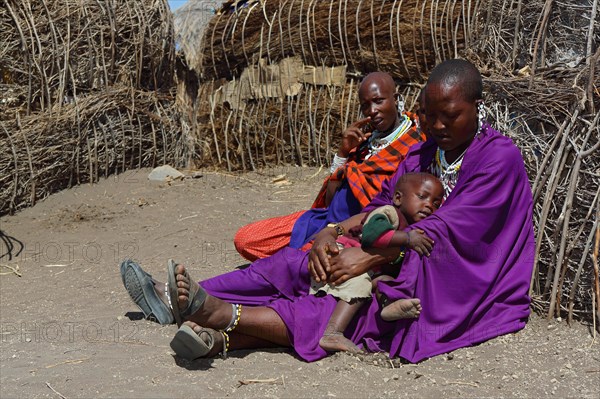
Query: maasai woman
(472, 287)
(370, 152)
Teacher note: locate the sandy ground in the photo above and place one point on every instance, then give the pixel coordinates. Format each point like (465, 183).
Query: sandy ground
(68, 328)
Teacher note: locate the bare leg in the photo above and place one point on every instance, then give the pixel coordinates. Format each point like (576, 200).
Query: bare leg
(333, 339)
(258, 322)
(236, 340)
(402, 309)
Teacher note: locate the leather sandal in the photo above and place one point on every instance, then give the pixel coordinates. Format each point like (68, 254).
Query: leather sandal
(196, 298)
(191, 345)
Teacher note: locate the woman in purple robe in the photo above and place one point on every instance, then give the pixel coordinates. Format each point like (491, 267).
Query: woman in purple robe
(472, 287)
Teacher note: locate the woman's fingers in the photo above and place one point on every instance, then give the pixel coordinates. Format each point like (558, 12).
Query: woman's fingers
(311, 269)
(332, 251)
(354, 135)
(338, 278)
(314, 266)
(362, 122)
(320, 263)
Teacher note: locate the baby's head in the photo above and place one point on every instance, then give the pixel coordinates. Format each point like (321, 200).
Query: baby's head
(418, 195)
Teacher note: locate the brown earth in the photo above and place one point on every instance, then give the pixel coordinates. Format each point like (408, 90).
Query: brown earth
(69, 328)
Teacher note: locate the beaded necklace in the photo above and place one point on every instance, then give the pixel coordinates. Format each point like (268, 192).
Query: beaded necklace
(376, 144)
(447, 173)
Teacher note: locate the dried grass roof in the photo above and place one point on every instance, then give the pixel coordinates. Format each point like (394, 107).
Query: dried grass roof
(85, 91)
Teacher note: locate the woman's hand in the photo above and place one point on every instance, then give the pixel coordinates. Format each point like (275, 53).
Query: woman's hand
(355, 134)
(323, 249)
(349, 263)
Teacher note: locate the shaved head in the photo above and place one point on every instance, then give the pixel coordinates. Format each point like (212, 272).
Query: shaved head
(414, 177)
(378, 102)
(384, 80)
(458, 73)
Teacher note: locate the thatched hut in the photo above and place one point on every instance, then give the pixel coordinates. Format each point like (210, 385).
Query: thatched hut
(274, 81)
(85, 91)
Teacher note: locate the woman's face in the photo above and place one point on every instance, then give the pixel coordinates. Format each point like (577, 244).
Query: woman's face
(378, 101)
(451, 119)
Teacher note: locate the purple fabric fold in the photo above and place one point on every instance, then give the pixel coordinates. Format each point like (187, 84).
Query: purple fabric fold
(473, 287)
(343, 205)
(475, 284)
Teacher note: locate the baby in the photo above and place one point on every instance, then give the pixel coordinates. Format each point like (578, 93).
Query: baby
(417, 196)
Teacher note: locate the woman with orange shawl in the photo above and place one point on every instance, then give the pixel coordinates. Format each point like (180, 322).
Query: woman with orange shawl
(371, 150)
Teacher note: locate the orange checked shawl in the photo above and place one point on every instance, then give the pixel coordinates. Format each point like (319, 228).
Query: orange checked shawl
(366, 176)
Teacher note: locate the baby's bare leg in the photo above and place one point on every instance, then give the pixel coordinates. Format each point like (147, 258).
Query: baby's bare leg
(402, 309)
(333, 339)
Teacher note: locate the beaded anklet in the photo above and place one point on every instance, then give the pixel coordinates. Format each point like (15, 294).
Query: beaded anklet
(235, 320)
(225, 345)
(400, 257)
(235, 317)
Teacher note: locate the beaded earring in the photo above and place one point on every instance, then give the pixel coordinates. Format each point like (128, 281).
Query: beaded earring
(481, 115)
(400, 104)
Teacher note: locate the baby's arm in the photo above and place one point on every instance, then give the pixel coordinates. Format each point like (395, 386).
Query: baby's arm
(379, 232)
(412, 239)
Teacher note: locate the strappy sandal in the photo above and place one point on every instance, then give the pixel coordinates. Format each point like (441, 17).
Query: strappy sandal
(191, 345)
(196, 298)
(140, 287)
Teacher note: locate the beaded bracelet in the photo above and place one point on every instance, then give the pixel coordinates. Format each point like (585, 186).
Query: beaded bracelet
(400, 256)
(337, 162)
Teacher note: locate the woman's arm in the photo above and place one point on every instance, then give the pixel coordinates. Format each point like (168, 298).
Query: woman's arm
(332, 186)
(325, 258)
(353, 136)
(352, 262)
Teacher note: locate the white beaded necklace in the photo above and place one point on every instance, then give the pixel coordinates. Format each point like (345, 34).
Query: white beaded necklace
(447, 173)
(376, 143)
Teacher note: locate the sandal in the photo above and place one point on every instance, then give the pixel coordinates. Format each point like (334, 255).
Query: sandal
(191, 345)
(140, 287)
(197, 295)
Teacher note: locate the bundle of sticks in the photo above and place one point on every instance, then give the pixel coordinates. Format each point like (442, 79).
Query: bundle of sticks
(86, 89)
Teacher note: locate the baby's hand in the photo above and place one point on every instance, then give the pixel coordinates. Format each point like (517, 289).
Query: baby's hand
(418, 241)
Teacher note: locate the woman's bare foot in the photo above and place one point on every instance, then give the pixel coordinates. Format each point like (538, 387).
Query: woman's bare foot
(334, 341)
(213, 313)
(402, 309)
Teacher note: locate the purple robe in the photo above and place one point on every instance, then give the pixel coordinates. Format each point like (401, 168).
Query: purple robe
(343, 205)
(473, 287)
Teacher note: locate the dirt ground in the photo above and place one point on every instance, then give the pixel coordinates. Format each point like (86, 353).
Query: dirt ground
(69, 329)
